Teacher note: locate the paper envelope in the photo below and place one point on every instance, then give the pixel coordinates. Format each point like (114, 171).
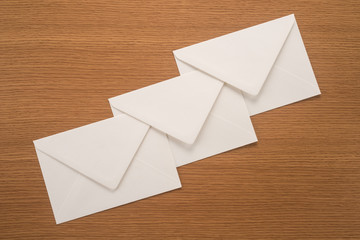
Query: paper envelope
(268, 62)
(104, 165)
(201, 116)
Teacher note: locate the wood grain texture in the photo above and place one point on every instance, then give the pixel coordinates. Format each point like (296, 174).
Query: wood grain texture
(61, 60)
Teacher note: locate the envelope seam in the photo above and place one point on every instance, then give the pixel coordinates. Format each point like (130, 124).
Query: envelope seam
(156, 169)
(296, 76)
(235, 125)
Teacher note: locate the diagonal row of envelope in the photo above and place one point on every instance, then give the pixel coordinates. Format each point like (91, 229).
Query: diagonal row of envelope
(204, 111)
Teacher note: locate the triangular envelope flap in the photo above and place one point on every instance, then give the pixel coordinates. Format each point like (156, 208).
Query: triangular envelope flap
(152, 171)
(102, 151)
(242, 59)
(178, 106)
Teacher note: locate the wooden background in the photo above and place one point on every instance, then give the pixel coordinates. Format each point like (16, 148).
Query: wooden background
(61, 60)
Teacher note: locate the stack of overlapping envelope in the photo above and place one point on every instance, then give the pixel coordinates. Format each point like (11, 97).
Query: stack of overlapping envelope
(204, 111)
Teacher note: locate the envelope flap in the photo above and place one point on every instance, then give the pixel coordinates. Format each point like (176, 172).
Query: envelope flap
(102, 151)
(242, 59)
(178, 106)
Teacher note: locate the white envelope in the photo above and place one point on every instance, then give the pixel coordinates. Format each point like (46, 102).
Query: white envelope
(268, 62)
(103, 165)
(201, 116)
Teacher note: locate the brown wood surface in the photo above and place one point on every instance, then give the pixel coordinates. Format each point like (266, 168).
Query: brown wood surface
(61, 60)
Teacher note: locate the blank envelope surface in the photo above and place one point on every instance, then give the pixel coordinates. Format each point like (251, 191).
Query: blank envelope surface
(73, 194)
(279, 73)
(93, 150)
(242, 59)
